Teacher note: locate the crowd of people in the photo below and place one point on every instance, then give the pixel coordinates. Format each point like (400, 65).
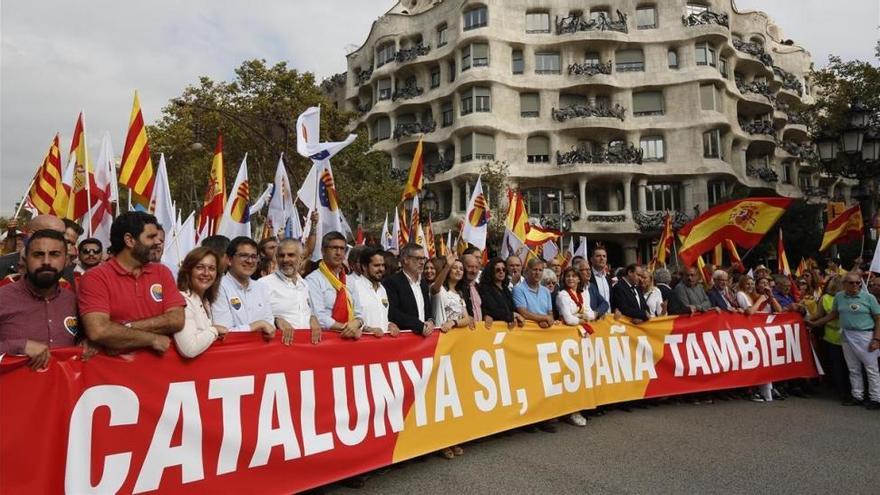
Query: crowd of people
(58, 292)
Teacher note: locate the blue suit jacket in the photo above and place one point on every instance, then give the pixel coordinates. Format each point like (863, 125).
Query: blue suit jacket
(597, 302)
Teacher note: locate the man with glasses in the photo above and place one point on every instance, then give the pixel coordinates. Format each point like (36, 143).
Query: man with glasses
(874, 287)
(243, 305)
(689, 297)
(128, 302)
(859, 317)
(91, 251)
(409, 305)
(331, 297)
(720, 294)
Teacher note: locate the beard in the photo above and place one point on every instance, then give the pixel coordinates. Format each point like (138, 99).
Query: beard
(141, 252)
(43, 278)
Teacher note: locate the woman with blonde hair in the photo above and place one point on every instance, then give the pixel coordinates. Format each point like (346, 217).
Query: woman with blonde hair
(198, 283)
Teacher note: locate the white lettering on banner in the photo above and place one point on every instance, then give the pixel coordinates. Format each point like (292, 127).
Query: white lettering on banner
(548, 369)
(487, 397)
(571, 380)
(351, 436)
(230, 391)
(313, 442)
(275, 401)
(738, 349)
(387, 398)
(419, 381)
(181, 400)
(447, 391)
(123, 405)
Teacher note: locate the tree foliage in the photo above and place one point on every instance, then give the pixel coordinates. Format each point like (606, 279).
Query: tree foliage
(256, 114)
(837, 87)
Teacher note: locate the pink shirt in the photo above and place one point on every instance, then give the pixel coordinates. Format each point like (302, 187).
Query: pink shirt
(110, 288)
(26, 315)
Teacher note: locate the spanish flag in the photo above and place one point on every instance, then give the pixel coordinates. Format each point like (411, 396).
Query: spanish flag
(537, 236)
(666, 240)
(782, 266)
(517, 220)
(416, 178)
(215, 195)
(732, 252)
(83, 173)
(744, 221)
(136, 171)
(846, 227)
(48, 181)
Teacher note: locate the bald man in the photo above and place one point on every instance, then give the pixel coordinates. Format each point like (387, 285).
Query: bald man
(9, 262)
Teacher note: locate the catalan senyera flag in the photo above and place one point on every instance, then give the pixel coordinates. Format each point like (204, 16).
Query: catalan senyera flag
(415, 218)
(443, 250)
(416, 179)
(429, 239)
(846, 227)
(403, 231)
(666, 240)
(215, 194)
(83, 173)
(136, 171)
(745, 221)
(48, 181)
(782, 266)
(801, 268)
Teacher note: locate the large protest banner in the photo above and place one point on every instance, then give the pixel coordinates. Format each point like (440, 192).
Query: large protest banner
(257, 416)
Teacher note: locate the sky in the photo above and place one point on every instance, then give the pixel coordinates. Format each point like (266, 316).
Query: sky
(59, 57)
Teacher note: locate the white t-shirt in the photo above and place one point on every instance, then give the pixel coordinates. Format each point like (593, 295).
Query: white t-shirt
(448, 305)
(289, 298)
(373, 303)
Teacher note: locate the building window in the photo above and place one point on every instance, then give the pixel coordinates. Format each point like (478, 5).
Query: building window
(529, 105)
(385, 53)
(476, 18)
(516, 62)
(710, 99)
(722, 67)
(696, 9)
(717, 192)
(567, 100)
(477, 146)
(384, 89)
(480, 54)
(629, 61)
(786, 173)
(592, 59)
(663, 197)
(466, 58)
(543, 201)
(451, 72)
(435, 76)
(381, 129)
(537, 22)
(547, 63)
(646, 17)
(672, 59)
(447, 114)
(805, 182)
(538, 149)
(705, 55)
(647, 103)
(442, 35)
(476, 99)
(712, 144)
(653, 149)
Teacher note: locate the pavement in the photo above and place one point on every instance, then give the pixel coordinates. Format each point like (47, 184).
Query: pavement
(801, 446)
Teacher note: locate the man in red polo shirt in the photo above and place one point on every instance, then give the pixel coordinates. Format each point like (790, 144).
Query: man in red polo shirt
(128, 302)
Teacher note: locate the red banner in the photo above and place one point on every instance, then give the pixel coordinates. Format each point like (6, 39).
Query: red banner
(261, 417)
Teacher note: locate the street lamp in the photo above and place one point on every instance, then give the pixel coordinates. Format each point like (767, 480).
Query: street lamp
(429, 202)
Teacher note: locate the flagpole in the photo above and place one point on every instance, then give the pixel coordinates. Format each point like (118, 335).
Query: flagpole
(24, 198)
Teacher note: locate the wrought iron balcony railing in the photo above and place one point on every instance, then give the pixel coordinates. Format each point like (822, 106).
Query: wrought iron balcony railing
(762, 172)
(406, 93)
(410, 128)
(590, 69)
(363, 77)
(706, 17)
(652, 221)
(619, 153)
(789, 80)
(754, 49)
(803, 151)
(603, 22)
(756, 87)
(586, 111)
(442, 164)
(412, 53)
(606, 218)
(758, 127)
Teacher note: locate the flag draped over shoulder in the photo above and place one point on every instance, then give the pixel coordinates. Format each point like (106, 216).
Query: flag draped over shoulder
(47, 181)
(215, 194)
(745, 221)
(136, 171)
(846, 227)
(416, 178)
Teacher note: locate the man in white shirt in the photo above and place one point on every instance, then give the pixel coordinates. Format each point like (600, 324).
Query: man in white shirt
(242, 305)
(289, 294)
(329, 293)
(599, 262)
(370, 294)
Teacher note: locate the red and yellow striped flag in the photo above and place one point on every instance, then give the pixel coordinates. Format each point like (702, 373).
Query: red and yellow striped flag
(429, 239)
(517, 220)
(136, 171)
(782, 266)
(744, 221)
(537, 236)
(666, 240)
(416, 179)
(48, 181)
(78, 199)
(846, 227)
(215, 195)
(732, 252)
(443, 250)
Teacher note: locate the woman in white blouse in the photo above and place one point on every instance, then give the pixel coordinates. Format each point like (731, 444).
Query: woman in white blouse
(653, 297)
(573, 304)
(198, 283)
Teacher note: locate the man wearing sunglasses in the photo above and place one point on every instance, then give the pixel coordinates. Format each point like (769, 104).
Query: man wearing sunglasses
(91, 251)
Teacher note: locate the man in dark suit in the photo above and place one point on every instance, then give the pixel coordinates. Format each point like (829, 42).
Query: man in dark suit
(409, 304)
(627, 297)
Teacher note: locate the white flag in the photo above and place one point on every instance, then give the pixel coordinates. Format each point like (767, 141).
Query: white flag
(875, 263)
(179, 242)
(549, 250)
(308, 137)
(281, 209)
(476, 222)
(161, 204)
(385, 239)
(394, 243)
(582, 247)
(104, 194)
(236, 219)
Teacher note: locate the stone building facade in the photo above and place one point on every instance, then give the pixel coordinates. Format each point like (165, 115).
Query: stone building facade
(608, 113)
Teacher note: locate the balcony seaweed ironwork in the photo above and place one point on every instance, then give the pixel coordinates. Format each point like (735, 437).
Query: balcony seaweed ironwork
(406, 92)
(756, 87)
(754, 49)
(590, 69)
(618, 153)
(412, 53)
(606, 218)
(804, 151)
(442, 164)
(762, 172)
(586, 111)
(758, 127)
(410, 128)
(363, 77)
(706, 17)
(653, 221)
(603, 22)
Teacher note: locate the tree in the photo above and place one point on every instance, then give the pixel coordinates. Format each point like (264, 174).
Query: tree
(494, 178)
(256, 113)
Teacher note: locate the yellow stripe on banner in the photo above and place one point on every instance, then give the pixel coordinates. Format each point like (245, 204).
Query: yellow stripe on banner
(487, 402)
(763, 221)
(136, 149)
